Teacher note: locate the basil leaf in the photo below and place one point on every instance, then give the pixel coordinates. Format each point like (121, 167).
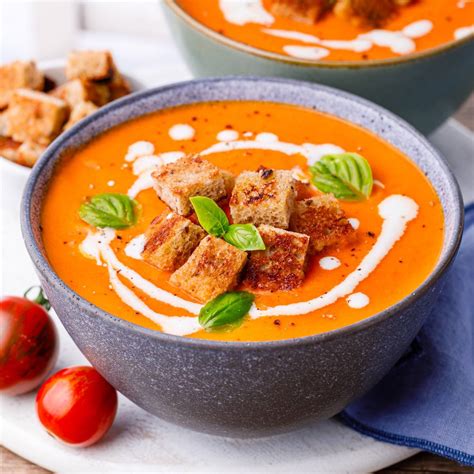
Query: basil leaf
(244, 237)
(211, 217)
(109, 210)
(226, 310)
(327, 183)
(347, 175)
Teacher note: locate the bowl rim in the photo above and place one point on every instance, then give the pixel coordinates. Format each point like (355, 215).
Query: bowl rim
(46, 270)
(320, 63)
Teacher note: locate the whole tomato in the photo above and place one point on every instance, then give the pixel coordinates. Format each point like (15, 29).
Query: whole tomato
(77, 406)
(28, 343)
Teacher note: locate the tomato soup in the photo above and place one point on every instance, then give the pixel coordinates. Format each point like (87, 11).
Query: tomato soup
(420, 26)
(398, 236)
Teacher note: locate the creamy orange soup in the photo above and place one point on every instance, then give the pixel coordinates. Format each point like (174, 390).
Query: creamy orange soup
(244, 136)
(418, 27)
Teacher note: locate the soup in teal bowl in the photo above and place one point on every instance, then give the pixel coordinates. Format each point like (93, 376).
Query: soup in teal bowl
(417, 62)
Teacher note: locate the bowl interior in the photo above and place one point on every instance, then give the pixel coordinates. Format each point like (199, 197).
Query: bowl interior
(327, 100)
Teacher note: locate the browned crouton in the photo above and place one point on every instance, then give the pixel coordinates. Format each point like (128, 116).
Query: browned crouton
(9, 148)
(118, 85)
(305, 11)
(212, 269)
(229, 181)
(190, 176)
(119, 89)
(29, 153)
(79, 112)
(323, 220)
(89, 65)
(35, 116)
(77, 91)
(281, 266)
(16, 75)
(263, 197)
(170, 240)
(3, 124)
(372, 12)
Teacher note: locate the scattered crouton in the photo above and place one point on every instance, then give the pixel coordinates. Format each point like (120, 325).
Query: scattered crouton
(35, 116)
(9, 148)
(190, 176)
(170, 240)
(305, 11)
(263, 197)
(323, 220)
(29, 152)
(281, 266)
(118, 85)
(16, 75)
(3, 124)
(79, 112)
(119, 89)
(89, 65)
(77, 91)
(212, 269)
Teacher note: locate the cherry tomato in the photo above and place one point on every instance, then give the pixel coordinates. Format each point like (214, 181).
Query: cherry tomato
(28, 343)
(77, 406)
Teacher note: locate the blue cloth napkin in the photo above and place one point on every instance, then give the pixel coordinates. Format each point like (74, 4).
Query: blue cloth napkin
(427, 400)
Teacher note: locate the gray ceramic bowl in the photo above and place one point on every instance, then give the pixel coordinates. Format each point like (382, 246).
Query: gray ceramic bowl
(243, 389)
(424, 88)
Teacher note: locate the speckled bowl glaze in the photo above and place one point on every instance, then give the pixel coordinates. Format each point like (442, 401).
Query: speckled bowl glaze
(424, 88)
(243, 389)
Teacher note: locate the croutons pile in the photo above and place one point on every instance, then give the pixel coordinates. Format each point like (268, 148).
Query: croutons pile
(206, 266)
(372, 12)
(33, 112)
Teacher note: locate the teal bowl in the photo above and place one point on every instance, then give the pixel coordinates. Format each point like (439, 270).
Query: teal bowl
(424, 88)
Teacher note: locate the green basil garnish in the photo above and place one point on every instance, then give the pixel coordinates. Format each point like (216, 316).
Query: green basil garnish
(214, 221)
(226, 311)
(211, 217)
(109, 210)
(244, 237)
(347, 175)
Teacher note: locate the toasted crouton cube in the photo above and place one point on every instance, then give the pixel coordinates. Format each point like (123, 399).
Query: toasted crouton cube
(372, 12)
(305, 11)
(170, 240)
(281, 266)
(323, 220)
(263, 197)
(29, 153)
(18, 75)
(118, 85)
(35, 116)
(77, 91)
(229, 181)
(89, 65)
(119, 89)
(9, 148)
(190, 176)
(79, 112)
(3, 124)
(213, 268)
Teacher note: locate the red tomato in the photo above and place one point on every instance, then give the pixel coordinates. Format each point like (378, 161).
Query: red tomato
(28, 344)
(77, 406)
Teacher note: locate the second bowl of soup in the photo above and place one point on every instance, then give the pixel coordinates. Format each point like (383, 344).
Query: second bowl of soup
(414, 58)
(237, 255)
